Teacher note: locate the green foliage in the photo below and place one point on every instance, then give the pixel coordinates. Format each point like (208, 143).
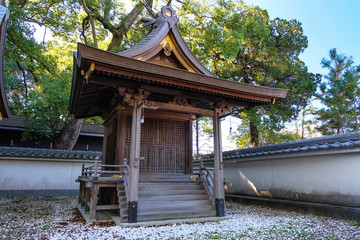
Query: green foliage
(233, 40)
(38, 74)
(46, 110)
(268, 136)
(242, 43)
(340, 93)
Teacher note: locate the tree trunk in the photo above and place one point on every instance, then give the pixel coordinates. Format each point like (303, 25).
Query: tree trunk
(115, 43)
(254, 135)
(93, 30)
(68, 135)
(303, 123)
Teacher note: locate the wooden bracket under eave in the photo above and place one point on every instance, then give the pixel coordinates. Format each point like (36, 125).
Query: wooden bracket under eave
(89, 73)
(273, 101)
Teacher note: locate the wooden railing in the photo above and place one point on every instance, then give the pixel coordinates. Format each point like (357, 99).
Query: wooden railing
(206, 176)
(102, 170)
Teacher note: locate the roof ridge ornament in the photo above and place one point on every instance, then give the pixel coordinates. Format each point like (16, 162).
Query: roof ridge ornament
(167, 13)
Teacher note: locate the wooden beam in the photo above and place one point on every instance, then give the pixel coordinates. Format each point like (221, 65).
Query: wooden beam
(178, 108)
(89, 72)
(199, 87)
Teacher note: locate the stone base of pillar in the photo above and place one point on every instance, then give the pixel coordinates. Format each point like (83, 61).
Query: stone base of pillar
(132, 211)
(220, 207)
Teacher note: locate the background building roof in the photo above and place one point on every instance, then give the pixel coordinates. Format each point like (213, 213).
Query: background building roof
(47, 154)
(326, 143)
(17, 123)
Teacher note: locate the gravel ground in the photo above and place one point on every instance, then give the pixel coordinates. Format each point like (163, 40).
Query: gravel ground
(57, 218)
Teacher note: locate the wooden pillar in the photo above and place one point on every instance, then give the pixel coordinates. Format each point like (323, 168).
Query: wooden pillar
(104, 144)
(134, 161)
(218, 165)
(93, 200)
(189, 148)
(120, 138)
(83, 193)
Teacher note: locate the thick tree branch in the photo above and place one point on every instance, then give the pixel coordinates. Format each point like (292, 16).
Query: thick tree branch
(122, 28)
(93, 30)
(24, 78)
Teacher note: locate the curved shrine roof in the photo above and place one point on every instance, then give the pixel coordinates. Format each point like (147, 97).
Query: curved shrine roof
(164, 69)
(98, 73)
(167, 33)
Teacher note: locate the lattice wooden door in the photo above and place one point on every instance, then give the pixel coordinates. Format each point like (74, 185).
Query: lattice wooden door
(163, 143)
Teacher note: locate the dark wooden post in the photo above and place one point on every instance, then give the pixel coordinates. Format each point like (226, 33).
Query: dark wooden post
(218, 165)
(81, 185)
(134, 161)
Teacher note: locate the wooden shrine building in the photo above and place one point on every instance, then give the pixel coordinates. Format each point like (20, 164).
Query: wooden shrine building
(148, 96)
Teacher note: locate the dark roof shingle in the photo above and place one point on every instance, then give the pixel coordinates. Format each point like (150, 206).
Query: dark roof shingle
(341, 141)
(40, 153)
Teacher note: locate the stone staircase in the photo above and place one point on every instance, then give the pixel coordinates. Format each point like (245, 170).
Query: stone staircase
(168, 196)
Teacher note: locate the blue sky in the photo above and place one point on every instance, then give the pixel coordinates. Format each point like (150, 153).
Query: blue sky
(327, 24)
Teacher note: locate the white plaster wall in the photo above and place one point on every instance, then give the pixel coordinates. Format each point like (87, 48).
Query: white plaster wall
(324, 178)
(39, 175)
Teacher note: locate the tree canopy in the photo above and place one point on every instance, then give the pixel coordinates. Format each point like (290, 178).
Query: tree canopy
(340, 94)
(234, 40)
(241, 43)
(38, 72)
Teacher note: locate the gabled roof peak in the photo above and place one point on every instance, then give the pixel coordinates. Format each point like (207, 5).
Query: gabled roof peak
(167, 13)
(164, 44)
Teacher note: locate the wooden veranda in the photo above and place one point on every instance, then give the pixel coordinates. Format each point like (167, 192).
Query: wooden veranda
(148, 96)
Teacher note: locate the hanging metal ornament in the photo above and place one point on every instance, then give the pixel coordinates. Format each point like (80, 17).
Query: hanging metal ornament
(142, 120)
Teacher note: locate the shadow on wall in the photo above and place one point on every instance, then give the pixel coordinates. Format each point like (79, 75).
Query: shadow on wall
(250, 187)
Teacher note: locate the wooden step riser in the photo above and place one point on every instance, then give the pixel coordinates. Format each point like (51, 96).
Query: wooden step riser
(151, 216)
(181, 197)
(164, 175)
(192, 205)
(169, 187)
(165, 196)
(169, 183)
(170, 192)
